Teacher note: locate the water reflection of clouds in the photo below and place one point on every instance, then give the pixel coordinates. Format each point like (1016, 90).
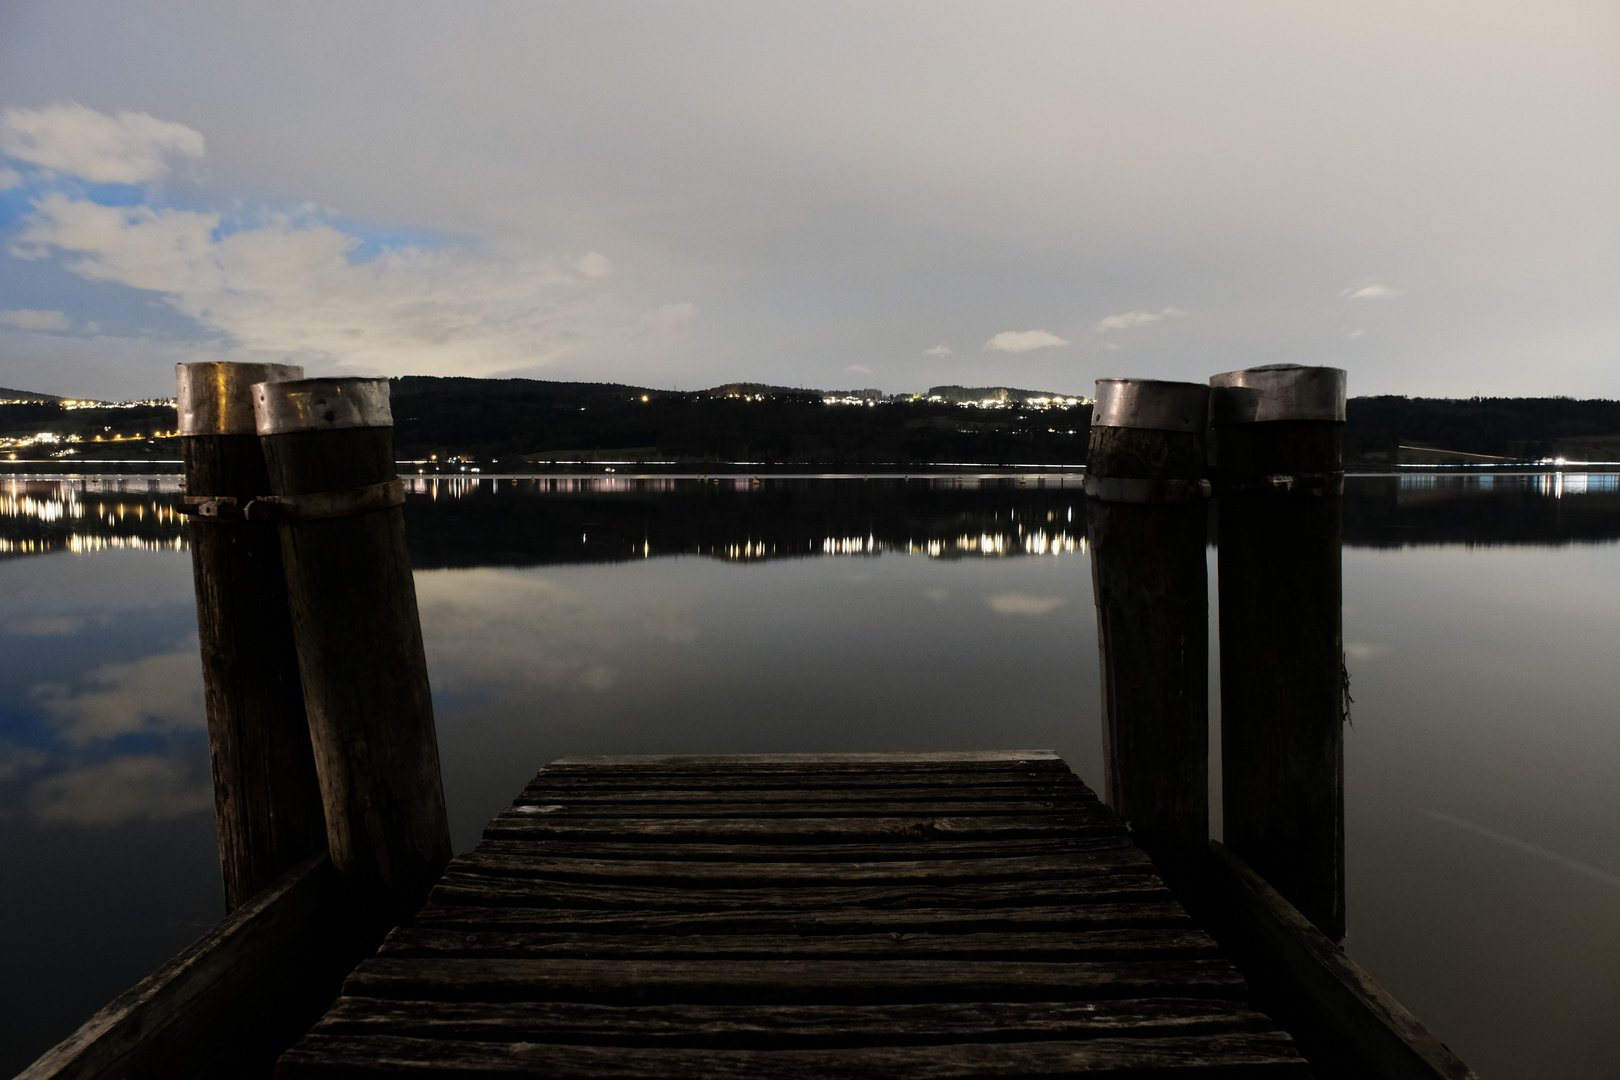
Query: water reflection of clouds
(101, 702)
(1364, 650)
(147, 787)
(152, 695)
(517, 629)
(1012, 603)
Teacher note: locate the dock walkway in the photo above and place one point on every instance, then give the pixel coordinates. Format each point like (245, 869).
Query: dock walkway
(871, 915)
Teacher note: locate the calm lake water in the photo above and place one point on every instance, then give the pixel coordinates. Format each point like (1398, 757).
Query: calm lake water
(584, 616)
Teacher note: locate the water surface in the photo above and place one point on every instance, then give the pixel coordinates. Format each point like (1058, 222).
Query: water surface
(575, 616)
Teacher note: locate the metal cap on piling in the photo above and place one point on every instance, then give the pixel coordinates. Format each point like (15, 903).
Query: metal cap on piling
(1151, 405)
(215, 396)
(1147, 441)
(321, 405)
(1277, 392)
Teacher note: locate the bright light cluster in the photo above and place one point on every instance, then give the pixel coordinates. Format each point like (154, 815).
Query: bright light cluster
(1058, 402)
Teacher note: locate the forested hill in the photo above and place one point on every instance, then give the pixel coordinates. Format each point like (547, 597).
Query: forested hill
(519, 423)
(1520, 429)
(499, 419)
(511, 420)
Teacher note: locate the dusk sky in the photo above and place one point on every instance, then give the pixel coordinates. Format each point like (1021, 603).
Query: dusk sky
(833, 195)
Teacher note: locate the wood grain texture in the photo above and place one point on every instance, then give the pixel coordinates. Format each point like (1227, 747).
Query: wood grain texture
(1237, 1055)
(896, 762)
(1092, 945)
(855, 808)
(553, 821)
(1134, 912)
(783, 1026)
(785, 981)
(456, 887)
(1149, 580)
(1120, 857)
(267, 802)
(843, 916)
(359, 639)
(677, 851)
(579, 796)
(835, 779)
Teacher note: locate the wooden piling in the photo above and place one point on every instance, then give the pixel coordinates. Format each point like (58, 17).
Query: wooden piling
(1280, 481)
(328, 444)
(1147, 527)
(266, 800)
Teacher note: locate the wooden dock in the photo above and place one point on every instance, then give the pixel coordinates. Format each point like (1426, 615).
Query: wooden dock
(919, 915)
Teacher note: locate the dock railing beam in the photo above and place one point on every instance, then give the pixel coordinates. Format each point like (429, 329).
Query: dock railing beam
(329, 447)
(1279, 479)
(1147, 526)
(266, 800)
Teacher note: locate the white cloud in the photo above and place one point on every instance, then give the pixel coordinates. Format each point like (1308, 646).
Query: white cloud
(1023, 341)
(130, 148)
(859, 369)
(489, 627)
(1137, 318)
(291, 289)
(937, 350)
(10, 178)
(154, 694)
(1375, 291)
(593, 265)
(666, 323)
(1013, 603)
(667, 621)
(148, 788)
(28, 319)
(1356, 333)
(46, 626)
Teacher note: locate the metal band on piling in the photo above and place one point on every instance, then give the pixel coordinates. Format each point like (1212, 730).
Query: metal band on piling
(215, 397)
(1151, 405)
(1248, 410)
(321, 505)
(1148, 469)
(1287, 392)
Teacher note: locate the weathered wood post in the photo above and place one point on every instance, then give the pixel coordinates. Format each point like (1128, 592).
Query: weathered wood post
(1147, 525)
(267, 805)
(330, 450)
(1280, 480)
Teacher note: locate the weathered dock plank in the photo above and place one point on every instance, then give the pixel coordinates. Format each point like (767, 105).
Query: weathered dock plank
(786, 1026)
(1227, 1055)
(946, 915)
